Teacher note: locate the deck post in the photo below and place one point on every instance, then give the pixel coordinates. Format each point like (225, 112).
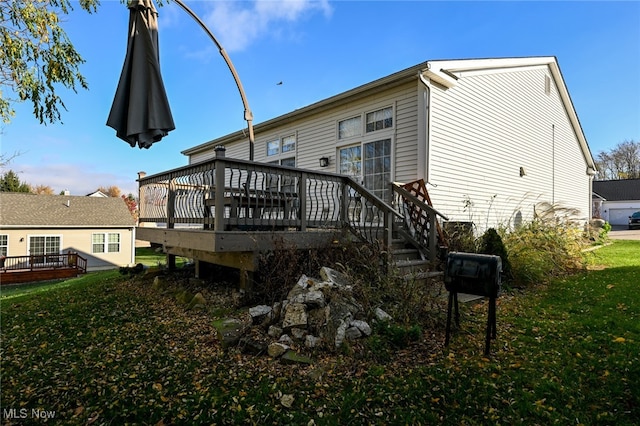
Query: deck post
(171, 212)
(303, 202)
(218, 219)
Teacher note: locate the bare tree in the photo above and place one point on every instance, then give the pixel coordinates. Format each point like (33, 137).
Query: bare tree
(42, 190)
(621, 162)
(111, 191)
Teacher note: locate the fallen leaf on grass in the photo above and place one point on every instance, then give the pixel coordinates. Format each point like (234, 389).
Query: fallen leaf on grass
(287, 400)
(619, 340)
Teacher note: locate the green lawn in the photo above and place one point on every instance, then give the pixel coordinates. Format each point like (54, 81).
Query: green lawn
(104, 350)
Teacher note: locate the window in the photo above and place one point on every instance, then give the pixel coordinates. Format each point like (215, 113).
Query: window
(288, 182)
(273, 147)
(377, 167)
(105, 243)
(349, 127)
(280, 146)
(4, 245)
(351, 161)
(42, 245)
(289, 144)
(380, 119)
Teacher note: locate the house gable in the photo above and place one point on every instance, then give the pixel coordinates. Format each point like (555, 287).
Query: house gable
(30, 210)
(496, 136)
(101, 230)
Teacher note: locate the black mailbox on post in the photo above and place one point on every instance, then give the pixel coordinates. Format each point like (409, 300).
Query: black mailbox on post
(476, 274)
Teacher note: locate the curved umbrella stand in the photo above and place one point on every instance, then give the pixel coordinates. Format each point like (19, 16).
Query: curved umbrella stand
(248, 115)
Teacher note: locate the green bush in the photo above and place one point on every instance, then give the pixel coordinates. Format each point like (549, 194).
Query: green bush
(491, 243)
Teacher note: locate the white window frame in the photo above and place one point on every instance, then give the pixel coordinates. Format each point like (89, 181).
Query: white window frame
(358, 133)
(4, 245)
(106, 242)
(383, 120)
(43, 259)
(283, 148)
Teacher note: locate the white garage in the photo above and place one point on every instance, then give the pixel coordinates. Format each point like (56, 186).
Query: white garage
(616, 199)
(621, 216)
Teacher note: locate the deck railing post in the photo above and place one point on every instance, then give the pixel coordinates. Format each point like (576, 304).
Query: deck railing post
(171, 201)
(218, 220)
(303, 201)
(344, 206)
(432, 237)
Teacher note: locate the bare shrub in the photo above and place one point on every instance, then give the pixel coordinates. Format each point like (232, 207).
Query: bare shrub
(549, 246)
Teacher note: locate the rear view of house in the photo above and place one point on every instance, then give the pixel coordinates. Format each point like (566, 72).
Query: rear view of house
(482, 141)
(493, 138)
(99, 229)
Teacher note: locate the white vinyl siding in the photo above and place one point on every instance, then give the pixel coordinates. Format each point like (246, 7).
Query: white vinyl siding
(317, 136)
(488, 126)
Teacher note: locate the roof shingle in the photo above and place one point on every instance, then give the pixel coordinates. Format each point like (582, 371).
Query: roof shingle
(618, 190)
(22, 209)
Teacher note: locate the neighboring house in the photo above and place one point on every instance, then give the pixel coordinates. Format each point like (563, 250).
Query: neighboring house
(98, 193)
(491, 137)
(616, 200)
(99, 229)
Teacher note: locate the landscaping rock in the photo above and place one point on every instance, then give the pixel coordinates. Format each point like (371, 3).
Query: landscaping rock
(295, 315)
(260, 313)
(160, 283)
(183, 297)
(276, 350)
(363, 326)
(312, 341)
(382, 315)
(316, 312)
(285, 339)
(291, 357)
(197, 302)
(352, 333)
(335, 277)
(275, 331)
(229, 331)
(314, 299)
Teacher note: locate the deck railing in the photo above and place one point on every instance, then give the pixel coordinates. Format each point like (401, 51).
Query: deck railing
(44, 261)
(224, 194)
(420, 221)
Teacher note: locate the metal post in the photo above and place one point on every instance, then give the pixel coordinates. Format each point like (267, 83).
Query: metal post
(248, 115)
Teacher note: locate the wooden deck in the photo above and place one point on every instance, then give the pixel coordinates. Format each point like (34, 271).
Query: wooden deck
(226, 211)
(23, 269)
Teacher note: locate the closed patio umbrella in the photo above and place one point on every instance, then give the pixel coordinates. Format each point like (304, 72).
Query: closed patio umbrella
(140, 112)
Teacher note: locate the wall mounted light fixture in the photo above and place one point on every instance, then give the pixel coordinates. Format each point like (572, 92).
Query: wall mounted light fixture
(523, 172)
(324, 161)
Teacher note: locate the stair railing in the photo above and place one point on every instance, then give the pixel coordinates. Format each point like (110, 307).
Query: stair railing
(419, 221)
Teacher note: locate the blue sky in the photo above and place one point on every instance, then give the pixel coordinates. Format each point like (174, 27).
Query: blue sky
(317, 49)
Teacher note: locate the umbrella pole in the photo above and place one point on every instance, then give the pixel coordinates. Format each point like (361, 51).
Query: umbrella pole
(248, 115)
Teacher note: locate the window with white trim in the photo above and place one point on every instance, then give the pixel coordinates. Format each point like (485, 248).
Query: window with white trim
(4, 244)
(41, 245)
(283, 145)
(108, 242)
(350, 127)
(379, 120)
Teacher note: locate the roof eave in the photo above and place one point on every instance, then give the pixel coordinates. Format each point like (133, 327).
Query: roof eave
(388, 81)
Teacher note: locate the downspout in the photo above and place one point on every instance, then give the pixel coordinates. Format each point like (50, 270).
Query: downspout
(424, 142)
